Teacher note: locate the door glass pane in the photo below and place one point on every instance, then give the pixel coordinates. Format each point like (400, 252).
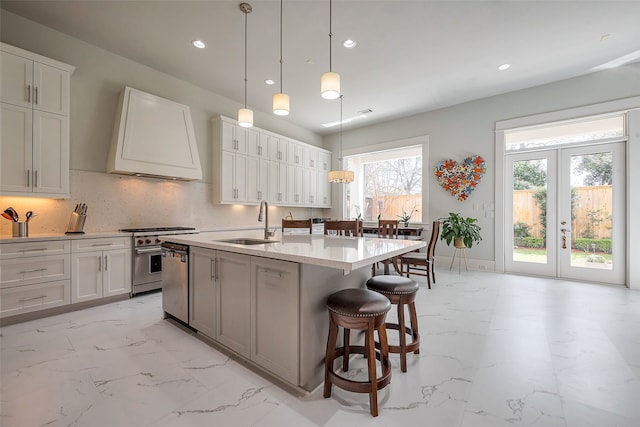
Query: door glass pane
(530, 211)
(591, 210)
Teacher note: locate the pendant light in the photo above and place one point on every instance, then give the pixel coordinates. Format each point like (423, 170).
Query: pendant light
(245, 116)
(330, 82)
(340, 176)
(281, 100)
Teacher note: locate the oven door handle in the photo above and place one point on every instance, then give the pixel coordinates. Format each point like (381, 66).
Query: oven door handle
(148, 250)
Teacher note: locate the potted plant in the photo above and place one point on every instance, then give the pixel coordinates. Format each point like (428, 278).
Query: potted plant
(406, 217)
(464, 232)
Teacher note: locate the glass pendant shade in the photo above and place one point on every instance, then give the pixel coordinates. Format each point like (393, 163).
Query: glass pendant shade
(281, 104)
(330, 85)
(245, 117)
(341, 177)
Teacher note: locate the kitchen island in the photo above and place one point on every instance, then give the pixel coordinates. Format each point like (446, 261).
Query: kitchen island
(266, 301)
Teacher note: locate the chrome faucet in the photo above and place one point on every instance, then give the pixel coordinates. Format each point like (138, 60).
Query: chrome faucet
(264, 207)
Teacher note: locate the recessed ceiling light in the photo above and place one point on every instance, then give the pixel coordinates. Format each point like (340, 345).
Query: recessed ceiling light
(504, 67)
(199, 44)
(269, 82)
(349, 44)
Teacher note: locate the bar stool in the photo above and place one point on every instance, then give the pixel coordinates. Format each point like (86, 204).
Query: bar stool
(400, 291)
(365, 310)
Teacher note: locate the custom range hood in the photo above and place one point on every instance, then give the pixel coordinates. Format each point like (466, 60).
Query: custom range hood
(153, 137)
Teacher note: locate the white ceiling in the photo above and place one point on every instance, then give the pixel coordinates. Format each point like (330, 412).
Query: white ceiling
(411, 57)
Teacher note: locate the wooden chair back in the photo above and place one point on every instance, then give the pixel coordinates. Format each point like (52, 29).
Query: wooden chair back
(297, 223)
(431, 247)
(388, 228)
(343, 228)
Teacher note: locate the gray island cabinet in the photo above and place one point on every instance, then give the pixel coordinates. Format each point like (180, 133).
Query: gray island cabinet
(266, 302)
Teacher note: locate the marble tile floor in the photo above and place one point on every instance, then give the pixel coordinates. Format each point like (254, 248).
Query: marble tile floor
(497, 350)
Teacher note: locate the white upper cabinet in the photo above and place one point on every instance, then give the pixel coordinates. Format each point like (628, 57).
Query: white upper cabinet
(255, 164)
(35, 124)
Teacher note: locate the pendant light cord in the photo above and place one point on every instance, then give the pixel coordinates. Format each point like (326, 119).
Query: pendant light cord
(245, 59)
(281, 62)
(340, 159)
(330, 32)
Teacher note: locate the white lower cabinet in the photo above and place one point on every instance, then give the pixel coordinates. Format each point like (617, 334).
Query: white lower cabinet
(100, 268)
(274, 316)
(203, 297)
(233, 275)
(34, 276)
(248, 304)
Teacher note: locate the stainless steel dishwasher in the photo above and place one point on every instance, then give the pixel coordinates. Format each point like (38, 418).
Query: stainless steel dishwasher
(175, 280)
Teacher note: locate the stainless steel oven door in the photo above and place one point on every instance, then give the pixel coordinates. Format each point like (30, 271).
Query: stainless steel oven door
(147, 268)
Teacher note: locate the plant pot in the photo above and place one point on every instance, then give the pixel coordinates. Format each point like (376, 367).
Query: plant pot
(458, 243)
(406, 224)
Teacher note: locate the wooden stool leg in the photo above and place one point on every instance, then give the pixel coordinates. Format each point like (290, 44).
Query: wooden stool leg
(329, 356)
(370, 349)
(428, 276)
(345, 358)
(415, 335)
(433, 272)
(403, 338)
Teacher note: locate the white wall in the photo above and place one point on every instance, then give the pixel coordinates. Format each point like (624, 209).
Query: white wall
(465, 129)
(99, 78)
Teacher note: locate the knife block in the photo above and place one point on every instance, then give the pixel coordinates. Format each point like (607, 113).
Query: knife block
(76, 223)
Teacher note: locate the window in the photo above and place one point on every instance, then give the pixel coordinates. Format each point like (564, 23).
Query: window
(562, 133)
(387, 184)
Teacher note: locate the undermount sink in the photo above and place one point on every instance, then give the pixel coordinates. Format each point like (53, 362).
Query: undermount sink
(245, 241)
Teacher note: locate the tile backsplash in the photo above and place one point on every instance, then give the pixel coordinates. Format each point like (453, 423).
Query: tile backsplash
(118, 201)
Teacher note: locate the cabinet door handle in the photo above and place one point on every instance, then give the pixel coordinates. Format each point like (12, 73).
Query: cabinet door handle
(100, 263)
(271, 273)
(32, 298)
(33, 271)
(29, 94)
(106, 262)
(215, 269)
(36, 88)
(35, 178)
(33, 250)
(28, 177)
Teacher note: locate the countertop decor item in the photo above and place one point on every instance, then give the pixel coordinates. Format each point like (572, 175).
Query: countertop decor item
(464, 232)
(460, 179)
(78, 217)
(405, 217)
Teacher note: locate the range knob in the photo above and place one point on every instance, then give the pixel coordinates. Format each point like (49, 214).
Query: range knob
(147, 241)
(158, 240)
(140, 241)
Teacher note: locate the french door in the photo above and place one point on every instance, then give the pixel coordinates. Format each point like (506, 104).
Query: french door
(565, 213)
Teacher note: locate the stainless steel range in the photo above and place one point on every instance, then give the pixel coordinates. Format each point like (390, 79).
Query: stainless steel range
(147, 255)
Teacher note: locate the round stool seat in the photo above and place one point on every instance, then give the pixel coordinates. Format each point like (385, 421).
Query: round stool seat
(393, 285)
(358, 303)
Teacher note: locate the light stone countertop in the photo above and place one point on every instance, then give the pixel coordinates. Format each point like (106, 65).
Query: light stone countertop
(62, 236)
(344, 253)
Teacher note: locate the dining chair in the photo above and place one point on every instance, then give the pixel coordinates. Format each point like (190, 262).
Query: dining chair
(422, 263)
(387, 229)
(297, 223)
(343, 228)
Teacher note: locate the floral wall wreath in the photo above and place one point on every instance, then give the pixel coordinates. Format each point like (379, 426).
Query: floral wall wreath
(460, 179)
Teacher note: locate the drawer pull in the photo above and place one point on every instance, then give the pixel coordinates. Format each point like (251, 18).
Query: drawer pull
(32, 298)
(103, 244)
(271, 273)
(33, 271)
(33, 250)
